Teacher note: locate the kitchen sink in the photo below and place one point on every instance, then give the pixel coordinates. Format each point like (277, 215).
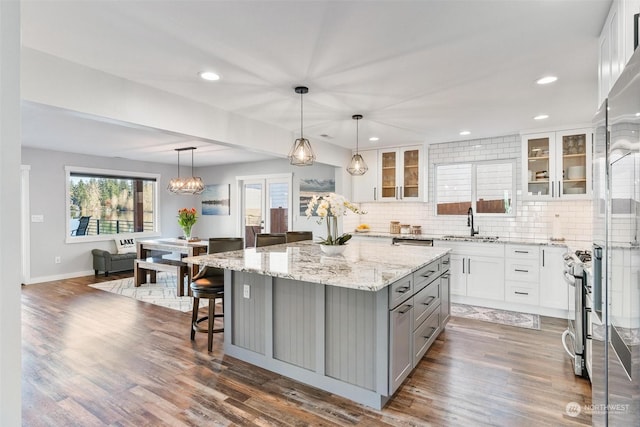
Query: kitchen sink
(467, 237)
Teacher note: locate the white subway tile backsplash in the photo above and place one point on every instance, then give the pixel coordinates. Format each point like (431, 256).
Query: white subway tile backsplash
(533, 219)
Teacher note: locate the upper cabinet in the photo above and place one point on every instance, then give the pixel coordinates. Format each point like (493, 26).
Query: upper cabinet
(616, 44)
(557, 165)
(394, 174)
(365, 187)
(400, 175)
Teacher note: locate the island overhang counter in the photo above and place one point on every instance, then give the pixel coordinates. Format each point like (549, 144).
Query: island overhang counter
(355, 324)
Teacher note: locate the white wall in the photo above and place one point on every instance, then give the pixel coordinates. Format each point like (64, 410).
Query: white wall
(47, 198)
(227, 226)
(10, 339)
(533, 219)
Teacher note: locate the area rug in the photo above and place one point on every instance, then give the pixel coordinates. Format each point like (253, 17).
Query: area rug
(504, 317)
(162, 293)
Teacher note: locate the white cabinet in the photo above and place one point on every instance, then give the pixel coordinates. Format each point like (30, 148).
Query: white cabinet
(616, 44)
(553, 288)
(401, 173)
(522, 274)
(557, 165)
(476, 269)
(365, 187)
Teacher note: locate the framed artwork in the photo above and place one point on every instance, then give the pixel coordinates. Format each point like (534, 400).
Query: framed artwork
(215, 199)
(311, 187)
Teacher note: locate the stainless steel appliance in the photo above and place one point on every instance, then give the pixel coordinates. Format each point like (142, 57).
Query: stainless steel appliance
(574, 338)
(615, 319)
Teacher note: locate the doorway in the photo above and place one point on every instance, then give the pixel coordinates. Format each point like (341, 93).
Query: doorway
(265, 205)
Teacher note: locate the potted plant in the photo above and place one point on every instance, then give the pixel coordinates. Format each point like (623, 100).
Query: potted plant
(328, 209)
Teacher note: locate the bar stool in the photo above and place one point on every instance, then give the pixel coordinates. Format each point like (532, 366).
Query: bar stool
(268, 239)
(298, 236)
(209, 284)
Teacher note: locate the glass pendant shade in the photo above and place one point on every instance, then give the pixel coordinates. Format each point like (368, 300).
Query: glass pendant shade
(191, 185)
(301, 153)
(357, 165)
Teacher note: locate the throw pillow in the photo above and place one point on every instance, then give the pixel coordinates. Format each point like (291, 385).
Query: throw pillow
(126, 246)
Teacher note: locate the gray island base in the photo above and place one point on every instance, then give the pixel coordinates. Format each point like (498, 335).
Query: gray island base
(354, 325)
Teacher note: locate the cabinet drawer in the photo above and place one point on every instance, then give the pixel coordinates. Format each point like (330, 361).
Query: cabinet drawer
(522, 295)
(425, 302)
(522, 252)
(426, 275)
(522, 270)
(400, 291)
(424, 336)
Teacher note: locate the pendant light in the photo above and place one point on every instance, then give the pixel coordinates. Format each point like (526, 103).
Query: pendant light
(301, 153)
(357, 166)
(192, 185)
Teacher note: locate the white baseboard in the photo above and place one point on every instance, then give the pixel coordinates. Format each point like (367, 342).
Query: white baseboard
(41, 279)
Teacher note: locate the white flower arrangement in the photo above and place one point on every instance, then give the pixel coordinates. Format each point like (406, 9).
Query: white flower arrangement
(330, 208)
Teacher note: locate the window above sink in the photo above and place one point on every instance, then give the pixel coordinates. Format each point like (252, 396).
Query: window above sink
(486, 187)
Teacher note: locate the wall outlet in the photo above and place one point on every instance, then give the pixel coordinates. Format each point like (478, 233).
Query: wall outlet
(246, 292)
(57, 260)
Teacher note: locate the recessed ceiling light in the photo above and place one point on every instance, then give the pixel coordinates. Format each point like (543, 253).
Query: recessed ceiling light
(637, 114)
(209, 75)
(465, 132)
(541, 117)
(374, 138)
(546, 80)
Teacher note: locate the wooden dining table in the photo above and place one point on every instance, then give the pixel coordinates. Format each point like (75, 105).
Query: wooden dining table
(181, 246)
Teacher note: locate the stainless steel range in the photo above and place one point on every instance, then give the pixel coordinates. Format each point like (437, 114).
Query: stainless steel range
(576, 333)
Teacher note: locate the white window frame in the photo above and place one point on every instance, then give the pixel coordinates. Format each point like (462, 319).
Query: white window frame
(111, 172)
(474, 183)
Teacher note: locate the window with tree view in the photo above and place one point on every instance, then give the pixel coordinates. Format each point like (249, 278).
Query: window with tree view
(105, 202)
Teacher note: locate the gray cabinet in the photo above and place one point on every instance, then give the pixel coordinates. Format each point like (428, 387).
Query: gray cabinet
(415, 317)
(401, 362)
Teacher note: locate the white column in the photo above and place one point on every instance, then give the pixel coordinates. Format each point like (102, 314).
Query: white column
(10, 336)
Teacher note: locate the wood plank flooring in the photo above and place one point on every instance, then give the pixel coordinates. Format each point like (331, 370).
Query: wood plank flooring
(91, 358)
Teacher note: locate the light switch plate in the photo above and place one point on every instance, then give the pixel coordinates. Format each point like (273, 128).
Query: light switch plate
(246, 291)
(37, 218)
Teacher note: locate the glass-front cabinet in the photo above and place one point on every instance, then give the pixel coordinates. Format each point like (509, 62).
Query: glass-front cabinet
(400, 176)
(557, 165)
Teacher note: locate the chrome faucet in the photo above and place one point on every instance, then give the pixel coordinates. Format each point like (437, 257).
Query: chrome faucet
(474, 231)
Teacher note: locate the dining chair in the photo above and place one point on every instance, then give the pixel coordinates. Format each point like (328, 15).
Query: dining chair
(297, 236)
(209, 284)
(268, 239)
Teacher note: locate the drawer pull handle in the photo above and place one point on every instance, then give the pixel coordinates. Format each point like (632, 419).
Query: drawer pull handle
(589, 337)
(522, 252)
(402, 289)
(445, 262)
(521, 271)
(427, 337)
(408, 308)
(445, 276)
(522, 293)
(427, 275)
(431, 298)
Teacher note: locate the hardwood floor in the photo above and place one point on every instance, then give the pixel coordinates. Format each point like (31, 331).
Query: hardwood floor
(92, 358)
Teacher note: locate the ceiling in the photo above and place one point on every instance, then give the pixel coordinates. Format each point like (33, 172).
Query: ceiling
(418, 71)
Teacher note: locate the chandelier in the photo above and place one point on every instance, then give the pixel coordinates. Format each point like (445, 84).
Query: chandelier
(357, 166)
(191, 185)
(301, 153)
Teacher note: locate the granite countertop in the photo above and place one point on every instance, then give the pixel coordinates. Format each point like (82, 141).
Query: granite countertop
(572, 244)
(365, 265)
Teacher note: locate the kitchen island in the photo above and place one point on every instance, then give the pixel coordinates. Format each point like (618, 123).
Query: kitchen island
(355, 324)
